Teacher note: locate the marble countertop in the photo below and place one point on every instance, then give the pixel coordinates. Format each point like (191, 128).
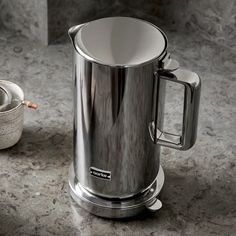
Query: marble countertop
(199, 196)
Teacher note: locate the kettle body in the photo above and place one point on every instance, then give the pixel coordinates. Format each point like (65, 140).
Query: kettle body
(114, 155)
(119, 97)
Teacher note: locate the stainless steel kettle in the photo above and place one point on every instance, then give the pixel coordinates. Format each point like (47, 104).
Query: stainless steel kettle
(121, 66)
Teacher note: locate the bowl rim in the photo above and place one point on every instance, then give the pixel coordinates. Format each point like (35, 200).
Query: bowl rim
(19, 105)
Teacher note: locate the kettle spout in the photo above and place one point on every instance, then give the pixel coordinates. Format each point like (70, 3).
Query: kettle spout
(72, 33)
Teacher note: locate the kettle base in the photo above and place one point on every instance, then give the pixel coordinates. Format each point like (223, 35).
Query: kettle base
(116, 208)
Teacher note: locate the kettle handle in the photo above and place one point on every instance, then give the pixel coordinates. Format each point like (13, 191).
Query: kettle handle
(30, 104)
(192, 88)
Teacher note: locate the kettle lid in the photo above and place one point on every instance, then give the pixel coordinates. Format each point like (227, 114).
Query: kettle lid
(120, 41)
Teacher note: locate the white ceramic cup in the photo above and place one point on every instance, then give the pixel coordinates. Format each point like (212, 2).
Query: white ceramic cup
(11, 119)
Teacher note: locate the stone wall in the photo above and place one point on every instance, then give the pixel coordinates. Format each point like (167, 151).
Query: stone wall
(29, 17)
(213, 19)
(66, 13)
(49, 20)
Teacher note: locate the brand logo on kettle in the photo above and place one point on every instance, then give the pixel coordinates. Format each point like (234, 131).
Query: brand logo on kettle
(102, 174)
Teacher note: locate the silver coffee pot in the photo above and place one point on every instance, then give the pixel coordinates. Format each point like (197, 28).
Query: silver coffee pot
(121, 66)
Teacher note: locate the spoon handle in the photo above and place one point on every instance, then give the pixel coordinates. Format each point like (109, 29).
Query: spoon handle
(30, 104)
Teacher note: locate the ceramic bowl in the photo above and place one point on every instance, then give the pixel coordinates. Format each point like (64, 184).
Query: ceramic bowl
(11, 120)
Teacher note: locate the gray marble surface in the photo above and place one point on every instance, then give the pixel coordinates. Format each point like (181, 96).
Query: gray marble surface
(199, 196)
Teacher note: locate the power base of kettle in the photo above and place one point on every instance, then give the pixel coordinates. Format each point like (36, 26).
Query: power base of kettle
(117, 208)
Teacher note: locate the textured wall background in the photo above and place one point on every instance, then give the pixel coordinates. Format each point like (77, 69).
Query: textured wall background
(214, 19)
(49, 20)
(29, 17)
(66, 13)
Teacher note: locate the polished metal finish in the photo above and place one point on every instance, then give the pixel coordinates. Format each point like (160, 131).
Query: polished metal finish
(112, 110)
(119, 110)
(192, 88)
(117, 208)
